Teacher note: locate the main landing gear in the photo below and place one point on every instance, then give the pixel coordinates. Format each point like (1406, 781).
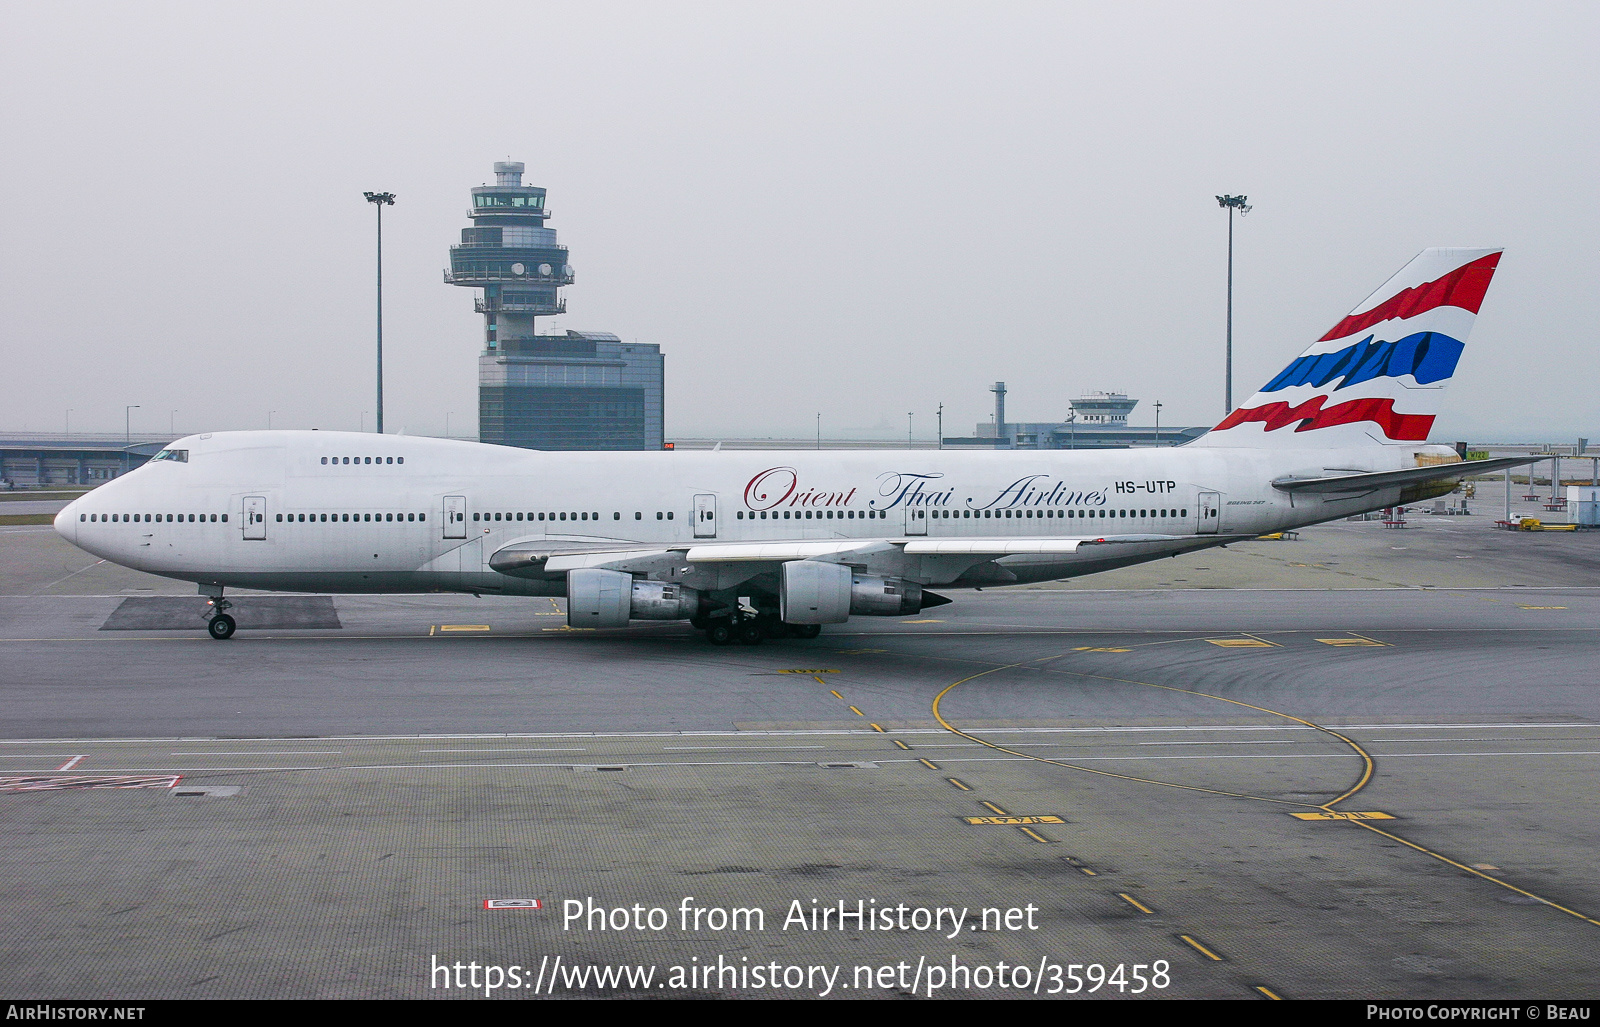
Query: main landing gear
(754, 630)
(220, 625)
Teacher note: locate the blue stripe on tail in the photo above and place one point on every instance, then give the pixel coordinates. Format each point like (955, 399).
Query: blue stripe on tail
(1426, 356)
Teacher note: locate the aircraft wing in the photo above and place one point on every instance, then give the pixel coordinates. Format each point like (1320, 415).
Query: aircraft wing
(542, 560)
(1374, 480)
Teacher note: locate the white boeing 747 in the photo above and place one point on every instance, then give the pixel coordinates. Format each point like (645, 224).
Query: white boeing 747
(749, 545)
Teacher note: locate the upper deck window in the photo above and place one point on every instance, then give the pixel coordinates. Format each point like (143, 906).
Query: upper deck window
(180, 455)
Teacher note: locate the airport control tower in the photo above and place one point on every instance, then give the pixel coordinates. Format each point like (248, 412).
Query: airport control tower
(572, 390)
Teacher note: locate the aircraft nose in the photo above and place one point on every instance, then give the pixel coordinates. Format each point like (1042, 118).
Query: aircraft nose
(66, 522)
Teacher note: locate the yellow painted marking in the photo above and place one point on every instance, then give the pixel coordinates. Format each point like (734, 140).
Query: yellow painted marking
(1269, 993)
(803, 670)
(463, 627)
(431, 629)
(857, 712)
(1011, 821)
(929, 764)
(1350, 641)
(1034, 835)
(836, 695)
(878, 729)
(548, 613)
(1478, 873)
(1242, 643)
(901, 744)
(1338, 815)
(1100, 649)
(1484, 866)
(1200, 948)
(939, 716)
(1521, 607)
(567, 627)
(995, 808)
(1091, 873)
(1135, 903)
(958, 784)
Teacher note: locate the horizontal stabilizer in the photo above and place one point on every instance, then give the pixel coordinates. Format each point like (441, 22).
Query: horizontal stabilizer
(1374, 480)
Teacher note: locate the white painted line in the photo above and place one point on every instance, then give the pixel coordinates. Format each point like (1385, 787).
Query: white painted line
(486, 751)
(71, 763)
(811, 763)
(255, 752)
(803, 732)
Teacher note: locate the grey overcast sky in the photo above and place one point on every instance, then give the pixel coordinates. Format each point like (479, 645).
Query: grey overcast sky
(859, 209)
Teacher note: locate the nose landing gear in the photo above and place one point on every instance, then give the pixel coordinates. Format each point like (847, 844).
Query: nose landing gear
(220, 625)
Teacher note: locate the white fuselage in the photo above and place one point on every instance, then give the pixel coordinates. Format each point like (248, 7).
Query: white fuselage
(350, 512)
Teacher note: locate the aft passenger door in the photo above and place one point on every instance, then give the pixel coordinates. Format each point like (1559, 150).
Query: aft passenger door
(255, 517)
(705, 516)
(916, 520)
(1210, 513)
(455, 516)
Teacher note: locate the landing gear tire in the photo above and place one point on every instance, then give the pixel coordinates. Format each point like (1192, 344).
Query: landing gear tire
(221, 627)
(720, 633)
(805, 630)
(751, 633)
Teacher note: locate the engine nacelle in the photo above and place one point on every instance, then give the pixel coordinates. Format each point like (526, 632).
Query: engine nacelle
(663, 600)
(598, 599)
(873, 596)
(812, 592)
(608, 599)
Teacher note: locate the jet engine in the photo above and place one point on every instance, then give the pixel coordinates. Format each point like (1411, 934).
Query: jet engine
(813, 592)
(884, 597)
(609, 599)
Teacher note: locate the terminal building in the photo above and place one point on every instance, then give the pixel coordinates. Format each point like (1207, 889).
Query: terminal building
(1099, 420)
(568, 390)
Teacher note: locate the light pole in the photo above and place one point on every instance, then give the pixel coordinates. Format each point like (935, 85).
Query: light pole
(447, 423)
(380, 200)
(269, 419)
(1158, 422)
(127, 434)
(1072, 429)
(908, 430)
(1233, 203)
(363, 420)
(69, 420)
(819, 429)
(940, 415)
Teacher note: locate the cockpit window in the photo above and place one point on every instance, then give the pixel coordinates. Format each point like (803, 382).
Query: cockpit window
(180, 455)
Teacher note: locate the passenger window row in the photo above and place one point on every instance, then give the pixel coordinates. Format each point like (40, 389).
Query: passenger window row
(348, 518)
(153, 518)
(341, 460)
(808, 515)
(947, 514)
(553, 515)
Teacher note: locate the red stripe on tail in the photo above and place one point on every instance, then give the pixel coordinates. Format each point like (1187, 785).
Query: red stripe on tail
(1400, 427)
(1464, 287)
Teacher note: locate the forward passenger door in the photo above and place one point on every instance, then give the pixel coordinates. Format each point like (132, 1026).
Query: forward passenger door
(255, 517)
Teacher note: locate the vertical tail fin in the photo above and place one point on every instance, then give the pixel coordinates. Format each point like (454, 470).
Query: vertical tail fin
(1378, 375)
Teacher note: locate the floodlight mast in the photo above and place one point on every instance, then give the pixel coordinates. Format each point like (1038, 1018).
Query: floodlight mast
(1233, 203)
(380, 200)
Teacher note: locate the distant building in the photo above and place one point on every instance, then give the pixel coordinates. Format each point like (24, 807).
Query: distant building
(1099, 420)
(570, 390)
